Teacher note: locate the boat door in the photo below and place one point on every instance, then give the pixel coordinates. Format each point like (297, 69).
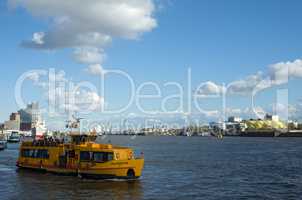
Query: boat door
(71, 159)
(62, 161)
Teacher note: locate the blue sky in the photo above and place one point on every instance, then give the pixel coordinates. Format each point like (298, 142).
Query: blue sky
(221, 41)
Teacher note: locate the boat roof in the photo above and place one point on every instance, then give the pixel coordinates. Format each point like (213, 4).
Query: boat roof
(85, 145)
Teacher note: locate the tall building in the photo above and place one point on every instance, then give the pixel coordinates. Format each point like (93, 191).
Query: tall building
(30, 117)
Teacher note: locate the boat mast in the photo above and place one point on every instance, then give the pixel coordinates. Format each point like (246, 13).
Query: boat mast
(74, 124)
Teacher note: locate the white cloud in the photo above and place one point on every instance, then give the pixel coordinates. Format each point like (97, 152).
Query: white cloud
(33, 76)
(211, 113)
(89, 55)
(60, 76)
(88, 100)
(93, 23)
(249, 84)
(282, 71)
(277, 74)
(132, 115)
(282, 110)
(210, 89)
(233, 111)
(81, 101)
(290, 111)
(256, 112)
(38, 38)
(298, 111)
(285, 112)
(95, 69)
(245, 113)
(65, 97)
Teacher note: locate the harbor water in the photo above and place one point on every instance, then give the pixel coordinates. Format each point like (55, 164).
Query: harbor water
(175, 168)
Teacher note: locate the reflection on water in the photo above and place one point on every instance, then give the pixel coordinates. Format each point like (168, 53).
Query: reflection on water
(61, 187)
(176, 168)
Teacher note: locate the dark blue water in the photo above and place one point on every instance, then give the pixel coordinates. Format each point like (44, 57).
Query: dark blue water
(177, 168)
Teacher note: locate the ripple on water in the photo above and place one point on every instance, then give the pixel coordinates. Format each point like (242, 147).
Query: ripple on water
(6, 168)
(177, 168)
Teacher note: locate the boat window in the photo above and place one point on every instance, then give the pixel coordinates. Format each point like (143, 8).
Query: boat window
(102, 156)
(39, 154)
(85, 156)
(31, 153)
(45, 154)
(25, 153)
(110, 156)
(42, 153)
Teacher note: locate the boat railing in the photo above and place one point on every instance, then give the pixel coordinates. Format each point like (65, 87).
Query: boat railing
(47, 142)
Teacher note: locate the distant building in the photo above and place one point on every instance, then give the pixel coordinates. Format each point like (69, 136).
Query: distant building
(30, 117)
(13, 123)
(217, 125)
(272, 117)
(14, 117)
(233, 127)
(234, 119)
(292, 125)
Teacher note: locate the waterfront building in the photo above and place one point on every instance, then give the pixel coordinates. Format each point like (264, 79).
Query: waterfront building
(217, 125)
(233, 127)
(272, 117)
(234, 119)
(270, 122)
(30, 120)
(13, 123)
(14, 117)
(292, 125)
(30, 117)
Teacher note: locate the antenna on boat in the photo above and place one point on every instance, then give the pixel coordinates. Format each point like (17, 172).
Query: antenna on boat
(74, 123)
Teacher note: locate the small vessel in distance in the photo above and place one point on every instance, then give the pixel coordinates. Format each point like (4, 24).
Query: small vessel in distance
(3, 142)
(80, 157)
(14, 137)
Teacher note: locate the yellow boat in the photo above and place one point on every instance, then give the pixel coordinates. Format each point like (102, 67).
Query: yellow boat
(80, 157)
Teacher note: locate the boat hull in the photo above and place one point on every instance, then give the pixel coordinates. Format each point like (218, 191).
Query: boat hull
(118, 173)
(106, 176)
(13, 141)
